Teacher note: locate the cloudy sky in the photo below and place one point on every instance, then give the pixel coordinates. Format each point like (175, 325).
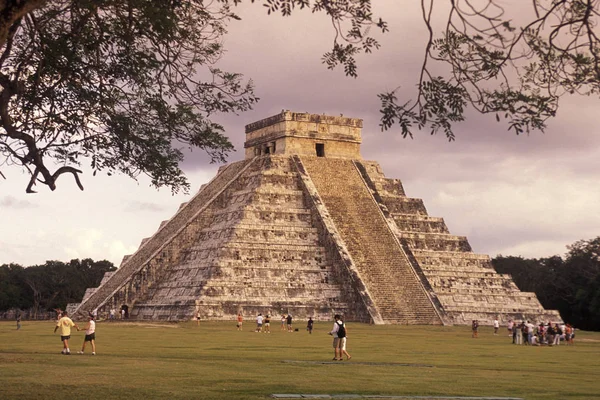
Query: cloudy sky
(511, 195)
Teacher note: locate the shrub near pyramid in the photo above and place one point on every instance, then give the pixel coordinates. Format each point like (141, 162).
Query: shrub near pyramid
(304, 226)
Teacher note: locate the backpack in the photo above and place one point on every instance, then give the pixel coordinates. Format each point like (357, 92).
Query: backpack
(341, 333)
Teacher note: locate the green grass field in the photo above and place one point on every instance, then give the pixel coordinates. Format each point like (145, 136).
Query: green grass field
(215, 361)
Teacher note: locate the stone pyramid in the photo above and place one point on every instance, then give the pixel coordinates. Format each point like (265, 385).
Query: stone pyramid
(304, 226)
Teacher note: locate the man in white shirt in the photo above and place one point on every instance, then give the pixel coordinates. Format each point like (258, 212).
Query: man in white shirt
(259, 323)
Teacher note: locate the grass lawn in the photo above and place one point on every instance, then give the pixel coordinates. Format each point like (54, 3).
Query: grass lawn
(215, 361)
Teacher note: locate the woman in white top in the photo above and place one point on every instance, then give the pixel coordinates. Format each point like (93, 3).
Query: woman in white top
(90, 335)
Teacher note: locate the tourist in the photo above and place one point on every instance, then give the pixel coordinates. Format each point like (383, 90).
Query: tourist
(259, 322)
(65, 324)
(510, 326)
(344, 340)
(18, 321)
(283, 320)
(529, 327)
(557, 334)
(122, 313)
(550, 333)
(569, 334)
(197, 318)
(90, 335)
(309, 325)
(338, 325)
(496, 326)
(240, 320)
(289, 322)
(267, 324)
(111, 314)
(542, 334)
(475, 329)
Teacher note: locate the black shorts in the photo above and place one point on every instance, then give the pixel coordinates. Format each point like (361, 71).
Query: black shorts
(65, 338)
(89, 338)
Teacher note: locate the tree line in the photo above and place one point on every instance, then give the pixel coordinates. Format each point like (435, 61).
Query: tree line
(42, 288)
(569, 284)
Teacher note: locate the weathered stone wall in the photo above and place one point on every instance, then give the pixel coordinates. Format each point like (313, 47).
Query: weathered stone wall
(258, 252)
(152, 249)
(299, 133)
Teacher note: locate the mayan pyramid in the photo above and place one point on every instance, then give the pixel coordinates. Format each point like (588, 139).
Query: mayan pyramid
(303, 225)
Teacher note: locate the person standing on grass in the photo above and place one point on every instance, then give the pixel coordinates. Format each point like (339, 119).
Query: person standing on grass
(510, 326)
(90, 335)
(309, 325)
(259, 323)
(18, 321)
(475, 328)
(496, 326)
(197, 318)
(65, 324)
(240, 320)
(338, 325)
(289, 323)
(283, 319)
(267, 324)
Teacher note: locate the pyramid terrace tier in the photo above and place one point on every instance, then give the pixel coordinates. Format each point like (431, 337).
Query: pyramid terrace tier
(436, 242)
(418, 223)
(227, 310)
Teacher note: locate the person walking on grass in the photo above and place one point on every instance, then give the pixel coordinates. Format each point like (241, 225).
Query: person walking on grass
(65, 324)
(344, 340)
(309, 325)
(338, 332)
(90, 335)
(18, 321)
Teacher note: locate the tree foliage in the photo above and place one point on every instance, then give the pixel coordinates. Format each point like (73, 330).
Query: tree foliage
(50, 285)
(514, 65)
(570, 284)
(118, 83)
(123, 83)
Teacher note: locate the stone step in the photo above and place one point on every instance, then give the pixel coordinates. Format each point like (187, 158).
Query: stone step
(486, 292)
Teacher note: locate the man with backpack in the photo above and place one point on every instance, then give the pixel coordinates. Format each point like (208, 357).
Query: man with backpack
(339, 339)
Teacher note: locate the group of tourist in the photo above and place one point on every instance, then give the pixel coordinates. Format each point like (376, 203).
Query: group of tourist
(339, 331)
(543, 334)
(65, 324)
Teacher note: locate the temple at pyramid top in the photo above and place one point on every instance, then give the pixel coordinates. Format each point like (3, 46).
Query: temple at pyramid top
(291, 133)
